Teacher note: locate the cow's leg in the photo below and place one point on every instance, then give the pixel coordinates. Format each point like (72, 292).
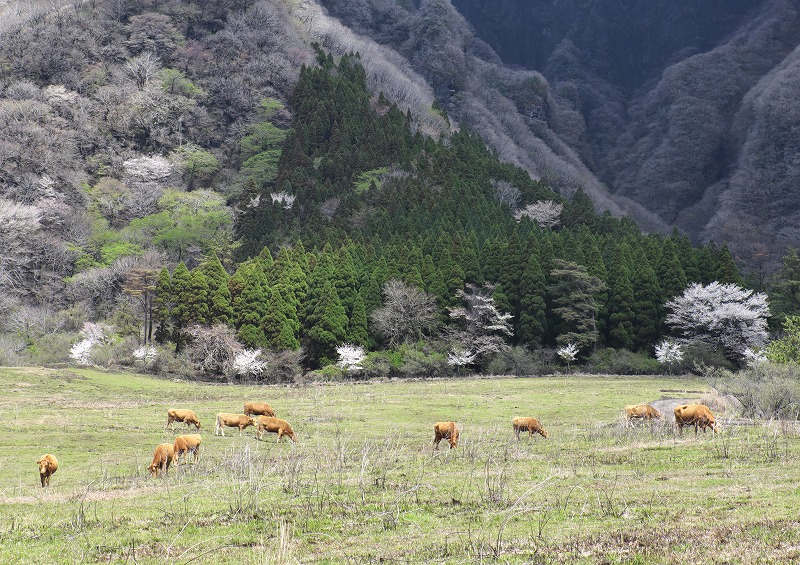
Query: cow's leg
(280, 435)
(516, 432)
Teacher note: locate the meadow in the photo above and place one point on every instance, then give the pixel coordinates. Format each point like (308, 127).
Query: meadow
(364, 485)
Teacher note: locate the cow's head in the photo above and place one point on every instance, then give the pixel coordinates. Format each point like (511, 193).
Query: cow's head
(44, 465)
(544, 433)
(254, 421)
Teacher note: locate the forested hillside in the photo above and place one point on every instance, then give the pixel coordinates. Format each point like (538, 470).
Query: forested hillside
(210, 179)
(676, 113)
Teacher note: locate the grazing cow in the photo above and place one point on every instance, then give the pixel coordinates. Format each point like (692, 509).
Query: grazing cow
(529, 425)
(445, 430)
(187, 444)
(258, 409)
(188, 417)
(274, 426)
(48, 465)
(697, 415)
(643, 411)
(240, 421)
(162, 457)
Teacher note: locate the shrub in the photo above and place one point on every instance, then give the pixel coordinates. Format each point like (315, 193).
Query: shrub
(117, 351)
(622, 362)
(167, 362)
(12, 350)
(330, 372)
(283, 366)
(765, 390)
(377, 364)
(51, 348)
(419, 363)
(699, 358)
(520, 362)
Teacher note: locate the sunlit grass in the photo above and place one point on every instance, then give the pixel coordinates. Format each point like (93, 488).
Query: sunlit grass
(363, 484)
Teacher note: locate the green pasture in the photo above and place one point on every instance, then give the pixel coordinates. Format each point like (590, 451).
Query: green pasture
(363, 484)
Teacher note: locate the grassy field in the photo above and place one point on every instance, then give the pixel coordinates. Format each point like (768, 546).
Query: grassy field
(363, 484)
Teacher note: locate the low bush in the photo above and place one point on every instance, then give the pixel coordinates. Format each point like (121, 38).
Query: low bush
(765, 390)
(622, 362)
(51, 348)
(284, 366)
(521, 362)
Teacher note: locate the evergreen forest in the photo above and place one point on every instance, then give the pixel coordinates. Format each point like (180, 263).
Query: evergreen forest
(187, 186)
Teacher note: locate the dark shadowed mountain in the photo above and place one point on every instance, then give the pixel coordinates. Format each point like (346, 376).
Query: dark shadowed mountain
(677, 113)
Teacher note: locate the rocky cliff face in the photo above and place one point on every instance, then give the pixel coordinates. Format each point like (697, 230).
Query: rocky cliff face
(676, 112)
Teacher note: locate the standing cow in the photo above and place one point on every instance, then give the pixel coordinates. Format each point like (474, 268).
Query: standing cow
(274, 426)
(48, 465)
(188, 417)
(186, 444)
(641, 411)
(529, 425)
(258, 409)
(445, 430)
(697, 415)
(162, 457)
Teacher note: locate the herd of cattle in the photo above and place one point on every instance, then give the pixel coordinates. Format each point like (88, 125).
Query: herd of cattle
(697, 415)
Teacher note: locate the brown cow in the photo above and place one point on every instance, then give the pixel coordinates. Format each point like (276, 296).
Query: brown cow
(186, 416)
(697, 415)
(187, 444)
(225, 419)
(643, 411)
(162, 457)
(529, 425)
(258, 409)
(445, 430)
(275, 426)
(48, 465)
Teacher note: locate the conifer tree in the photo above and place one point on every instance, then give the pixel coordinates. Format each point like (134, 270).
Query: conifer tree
(670, 272)
(492, 259)
(220, 309)
(579, 212)
(726, 267)
(327, 326)
(280, 323)
(646, 305)
(215, 273)
(687, 257)
(219, 295)
(162, 305)
(513, 265)
(596, 267)
(197, 301)
(357, 331)
(620, 301)
(181, 289)
(249, 304)
(533, 318)
(786, 288)
(573, 290)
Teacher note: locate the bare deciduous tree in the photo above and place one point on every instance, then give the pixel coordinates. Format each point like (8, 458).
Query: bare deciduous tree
(407, 315)
(213, 350)
(506, 193)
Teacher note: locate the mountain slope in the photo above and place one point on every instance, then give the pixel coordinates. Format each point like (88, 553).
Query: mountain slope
(677, 113)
